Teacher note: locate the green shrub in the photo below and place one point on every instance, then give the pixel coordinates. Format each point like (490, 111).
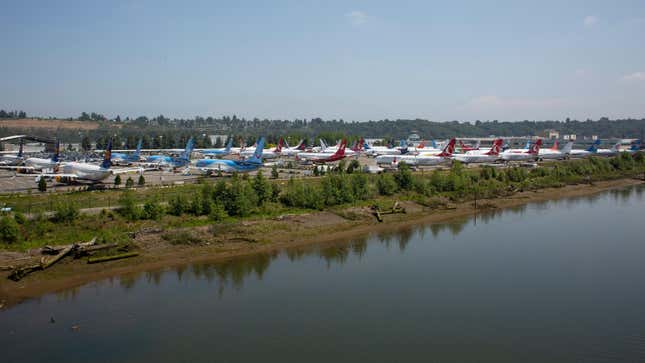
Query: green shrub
(128, 206)
(152, 209)
(386, 185)
(129, 183)
(142, 180)
(9, 230)
(66, 212)
(177, 205)
(20, 218)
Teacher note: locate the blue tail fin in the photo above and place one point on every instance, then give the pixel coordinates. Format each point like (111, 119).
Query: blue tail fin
(107, 156)
(257, 155)
(594, 147)
(528, 145)
(56, 155)
(229, 144)
(138, 151)
(190, 145)
(635, 146)
(434, 144)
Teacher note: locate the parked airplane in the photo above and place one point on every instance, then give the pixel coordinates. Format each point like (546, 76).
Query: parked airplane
(231, 166)
(220, 151)
(636, 146)
(322, 157)
(73, 171)
(266, 154)
(123, 158)
(292, 151)
(424, 159)
(37, 164)
(554, 154)
(13, 159)
(466, 148)
(609, 152)
(521, 155)
(169, 161)
(591, 150)
(479, 156)
(386, 150)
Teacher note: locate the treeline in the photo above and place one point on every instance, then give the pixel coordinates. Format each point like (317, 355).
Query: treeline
(12, 114)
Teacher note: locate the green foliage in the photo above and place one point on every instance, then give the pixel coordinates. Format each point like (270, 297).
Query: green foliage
(404, 176)
(117, 180)
(42, 185)
(262, 188)
(353, 165)
(183, 237)
(274, 172)
(66, 212)
(142, 180)
(386, 184)
(217, 212)
(152, 209)
(129, 183)
(128, 206)
(20, 218)
(177, 205)
(9, 230)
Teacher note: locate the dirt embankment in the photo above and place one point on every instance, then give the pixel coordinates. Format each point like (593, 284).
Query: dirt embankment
(28, 123)
(222, 242)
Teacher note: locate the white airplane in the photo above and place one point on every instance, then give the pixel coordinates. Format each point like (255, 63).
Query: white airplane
(554, 154)
(323, 157)
(293, 151)
(591, 150)
(266, 154)
(521, 154)
(425, 159)
(480, 156)
(12, 159)
(385, 150)
(73, 171)
(609, 152)
(37, 164)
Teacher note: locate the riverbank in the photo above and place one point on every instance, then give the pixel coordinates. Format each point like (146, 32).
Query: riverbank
(226, 241)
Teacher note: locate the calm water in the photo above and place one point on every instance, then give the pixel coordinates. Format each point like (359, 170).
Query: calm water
(555, 281)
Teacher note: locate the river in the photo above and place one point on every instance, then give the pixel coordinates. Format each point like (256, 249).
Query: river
(553, 281)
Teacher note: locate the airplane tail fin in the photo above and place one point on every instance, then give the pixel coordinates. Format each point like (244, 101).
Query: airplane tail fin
(257, 155)
(190, 145)
(323, 145)
(567, 147)
(434, 144)
(594, 147)
(636, 145)
(56, 155)
(477, 144)
(229, 144)
(555, 146)
(528, 145)
(20, 148)
(341, 148)
(535, 148)
(495, 149)
(107, 156)
(301, 145)
(138, 150)
(616, 147)
(449, 148)
(421, 145)
(279, 147)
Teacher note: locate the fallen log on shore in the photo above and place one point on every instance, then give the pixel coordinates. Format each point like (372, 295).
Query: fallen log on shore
(112, 257)
(378, 213)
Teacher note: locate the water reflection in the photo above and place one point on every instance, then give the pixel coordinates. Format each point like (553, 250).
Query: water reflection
(234, 272)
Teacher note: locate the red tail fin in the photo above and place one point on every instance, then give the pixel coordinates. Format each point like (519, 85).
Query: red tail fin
(422, 145)
(341, 148)
(497, 147)
(535, 148)
(449, 148)
(279, 147)
(301, 145)
(555, 145)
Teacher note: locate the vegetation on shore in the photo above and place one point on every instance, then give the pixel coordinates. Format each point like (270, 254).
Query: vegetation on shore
(241, 197)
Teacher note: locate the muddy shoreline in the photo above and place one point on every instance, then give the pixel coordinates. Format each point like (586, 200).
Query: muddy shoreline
(266, 236)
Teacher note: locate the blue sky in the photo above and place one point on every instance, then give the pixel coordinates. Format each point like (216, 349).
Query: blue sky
(355, 60)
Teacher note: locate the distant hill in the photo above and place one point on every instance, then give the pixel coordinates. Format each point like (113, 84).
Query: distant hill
(32, 123)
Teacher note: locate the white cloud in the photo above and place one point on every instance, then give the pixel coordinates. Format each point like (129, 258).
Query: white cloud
(357, 17)
(636, 76)
(590, 20)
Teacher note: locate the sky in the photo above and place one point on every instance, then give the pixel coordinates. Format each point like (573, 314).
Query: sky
(351, 60)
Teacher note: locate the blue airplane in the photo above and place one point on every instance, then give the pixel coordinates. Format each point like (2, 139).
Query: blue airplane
(232, 166)
(118, 158)
(220, 152)
(169, 161)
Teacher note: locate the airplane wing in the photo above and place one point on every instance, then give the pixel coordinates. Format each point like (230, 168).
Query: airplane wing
(15, 167)
(127, 170)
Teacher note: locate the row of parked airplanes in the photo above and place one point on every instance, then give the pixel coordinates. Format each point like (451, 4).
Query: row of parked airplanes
(253, 159)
